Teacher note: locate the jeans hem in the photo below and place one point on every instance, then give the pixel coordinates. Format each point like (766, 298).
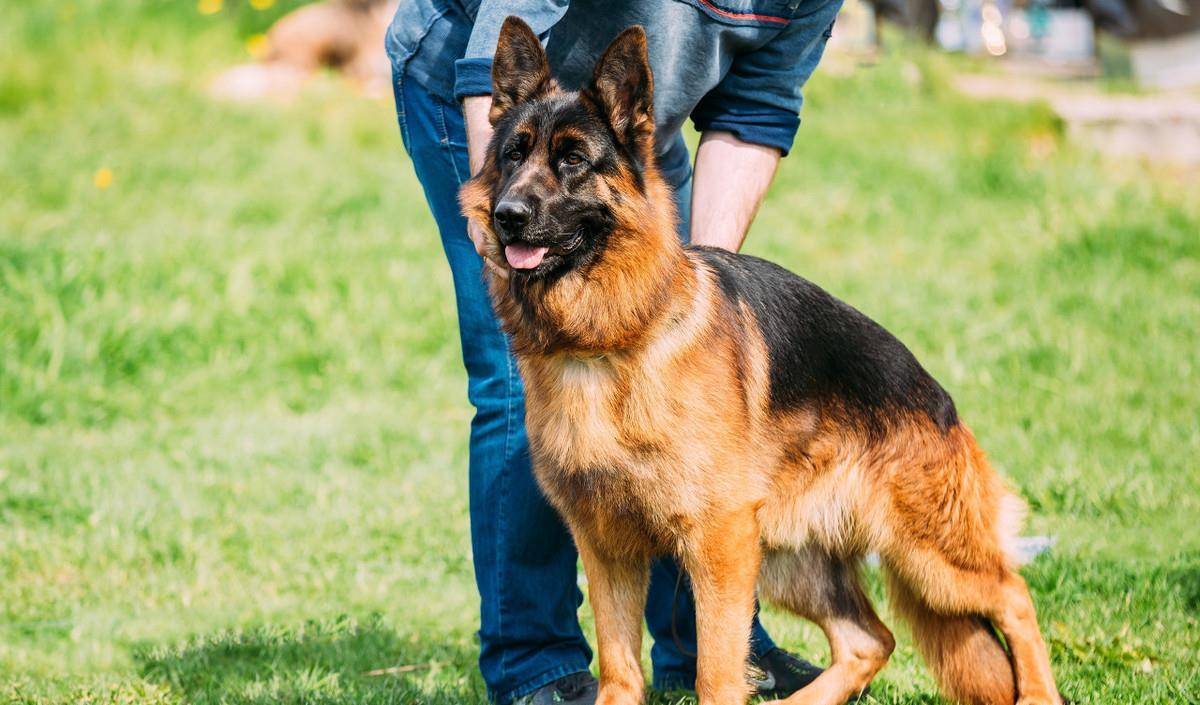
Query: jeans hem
(539, 681)
(762, 643)
(672, 682)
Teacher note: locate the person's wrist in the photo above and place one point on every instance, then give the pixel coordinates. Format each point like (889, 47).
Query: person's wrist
(479, 128)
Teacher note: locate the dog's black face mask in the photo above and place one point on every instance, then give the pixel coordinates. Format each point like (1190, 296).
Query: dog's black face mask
(562, 160)
(551, 209)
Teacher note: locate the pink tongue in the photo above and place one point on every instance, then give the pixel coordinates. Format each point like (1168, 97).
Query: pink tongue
(523, 256)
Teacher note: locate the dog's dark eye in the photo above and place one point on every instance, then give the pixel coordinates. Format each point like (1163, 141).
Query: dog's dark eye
(573, 159)
(513, 155)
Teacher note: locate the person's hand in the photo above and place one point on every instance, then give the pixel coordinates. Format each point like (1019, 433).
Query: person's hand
(479, 239)
(479, 133)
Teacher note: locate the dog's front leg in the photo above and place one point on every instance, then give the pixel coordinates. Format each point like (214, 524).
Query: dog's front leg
(723, 565)
(617, 590)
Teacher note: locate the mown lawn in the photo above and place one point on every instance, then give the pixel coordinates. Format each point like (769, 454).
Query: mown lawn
(232, 413)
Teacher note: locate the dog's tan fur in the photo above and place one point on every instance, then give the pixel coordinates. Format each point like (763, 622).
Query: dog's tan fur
(647, 407)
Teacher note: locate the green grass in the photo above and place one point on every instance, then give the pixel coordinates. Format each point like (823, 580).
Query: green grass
(232, 412)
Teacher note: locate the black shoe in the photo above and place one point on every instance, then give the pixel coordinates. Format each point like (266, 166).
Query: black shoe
(574, 689)
(777, 674)
(783, 674)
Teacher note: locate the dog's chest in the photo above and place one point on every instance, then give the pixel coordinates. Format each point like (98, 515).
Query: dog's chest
(599, 457)
(575, 414)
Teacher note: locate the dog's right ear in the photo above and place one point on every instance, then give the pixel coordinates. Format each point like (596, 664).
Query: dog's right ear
(520, 69)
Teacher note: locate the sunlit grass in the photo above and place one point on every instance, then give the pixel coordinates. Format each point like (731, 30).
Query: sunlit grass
(232, 412)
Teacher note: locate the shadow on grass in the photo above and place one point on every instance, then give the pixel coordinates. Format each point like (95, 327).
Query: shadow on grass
(1187, 577)
(335, 662)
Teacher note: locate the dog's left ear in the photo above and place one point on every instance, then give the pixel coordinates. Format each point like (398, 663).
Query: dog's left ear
(623, 85)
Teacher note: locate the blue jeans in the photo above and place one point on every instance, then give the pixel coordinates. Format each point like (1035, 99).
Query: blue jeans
(525, 560)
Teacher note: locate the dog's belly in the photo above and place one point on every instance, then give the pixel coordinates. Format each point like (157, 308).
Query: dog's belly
(824, 507)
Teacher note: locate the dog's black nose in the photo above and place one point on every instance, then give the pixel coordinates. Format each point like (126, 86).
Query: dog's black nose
(512, 216)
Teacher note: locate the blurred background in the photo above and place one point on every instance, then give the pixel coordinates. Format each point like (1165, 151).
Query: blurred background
(232, 409)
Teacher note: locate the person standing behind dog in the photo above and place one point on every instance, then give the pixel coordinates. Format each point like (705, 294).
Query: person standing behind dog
(736, 68)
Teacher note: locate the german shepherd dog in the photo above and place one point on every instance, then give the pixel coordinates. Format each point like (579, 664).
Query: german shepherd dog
(717, 408)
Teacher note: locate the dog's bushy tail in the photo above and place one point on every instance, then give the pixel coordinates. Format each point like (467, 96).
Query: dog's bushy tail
(963, 651)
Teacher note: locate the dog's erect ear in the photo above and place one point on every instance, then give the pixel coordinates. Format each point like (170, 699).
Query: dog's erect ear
(520, 70)
(623, 85)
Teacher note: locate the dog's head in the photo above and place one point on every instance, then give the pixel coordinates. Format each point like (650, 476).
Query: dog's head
(563, 167)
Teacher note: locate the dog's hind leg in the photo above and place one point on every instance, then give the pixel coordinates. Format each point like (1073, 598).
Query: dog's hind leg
(949, 554)
(617, 590)
(1014, 615)
(826, 590)
(953, 611)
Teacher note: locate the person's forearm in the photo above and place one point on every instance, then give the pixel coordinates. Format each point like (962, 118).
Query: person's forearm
(731, 178)
(479, 129)
(479, 134)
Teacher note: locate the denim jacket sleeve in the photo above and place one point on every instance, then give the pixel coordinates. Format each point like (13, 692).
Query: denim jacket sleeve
(759, 99)
(473, 72)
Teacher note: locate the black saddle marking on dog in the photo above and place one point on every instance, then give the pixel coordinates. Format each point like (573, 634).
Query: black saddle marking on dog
(821, 348)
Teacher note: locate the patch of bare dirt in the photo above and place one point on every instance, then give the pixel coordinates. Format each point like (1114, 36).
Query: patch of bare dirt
(1161, 127)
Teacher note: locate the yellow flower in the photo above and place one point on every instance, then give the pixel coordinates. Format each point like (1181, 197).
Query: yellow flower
(209, 7)
(103, 178)
(257, 45)
(261, 4)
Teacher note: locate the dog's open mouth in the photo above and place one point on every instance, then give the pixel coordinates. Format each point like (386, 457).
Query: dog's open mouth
(522, 255)
(526, 256)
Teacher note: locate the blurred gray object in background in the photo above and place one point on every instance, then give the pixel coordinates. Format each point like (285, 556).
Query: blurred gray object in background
(1064, 36)
(1146, 19)
(1167, 63)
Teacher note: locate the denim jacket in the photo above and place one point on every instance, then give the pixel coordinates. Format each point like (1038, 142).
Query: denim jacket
(731, 65)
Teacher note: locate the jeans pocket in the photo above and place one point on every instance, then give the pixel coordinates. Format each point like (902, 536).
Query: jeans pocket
(452, 127)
